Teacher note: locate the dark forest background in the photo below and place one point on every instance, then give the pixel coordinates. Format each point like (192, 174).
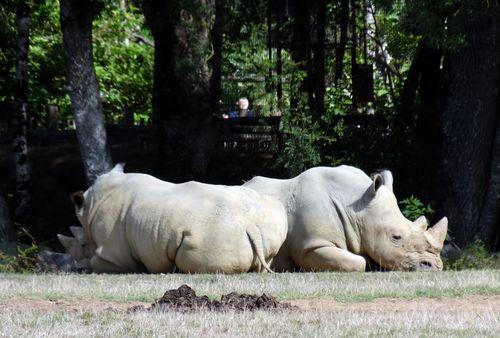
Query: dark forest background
(412, 86)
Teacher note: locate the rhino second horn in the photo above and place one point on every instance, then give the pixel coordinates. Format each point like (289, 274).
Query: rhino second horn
(437, 233)
(77, 232)
(422, 222)
(66, 241)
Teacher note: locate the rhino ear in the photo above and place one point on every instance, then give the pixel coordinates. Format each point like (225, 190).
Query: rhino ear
(78, 198)
(421, 222)
(383, 178)
(437, 234)
(119, 168)
(77, 232)
(67, 242)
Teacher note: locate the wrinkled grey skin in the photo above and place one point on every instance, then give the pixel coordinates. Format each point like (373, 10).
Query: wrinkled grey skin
(137, 223)
(336, 216)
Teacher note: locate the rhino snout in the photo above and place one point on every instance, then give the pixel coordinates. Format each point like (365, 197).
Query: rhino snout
(425, 265)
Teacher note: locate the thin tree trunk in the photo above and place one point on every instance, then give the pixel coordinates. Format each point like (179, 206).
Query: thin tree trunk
(215, 79)
(269, 77)
(319, 60)
(470, 149)
(6, 226)
(340, 50)
(354, 46)
(489, 220)
(301, 50)
(279, 58)
(160, 17)
(83, 87)
(20, 120)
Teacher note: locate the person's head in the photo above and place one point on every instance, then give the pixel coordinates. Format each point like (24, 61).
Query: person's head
(243, 103)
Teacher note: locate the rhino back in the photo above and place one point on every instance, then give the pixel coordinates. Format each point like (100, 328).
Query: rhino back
(200, 227)
(315, 201)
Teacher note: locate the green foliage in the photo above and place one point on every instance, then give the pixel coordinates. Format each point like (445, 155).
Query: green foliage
(245, 69)
(414, 208)
(46, 61)
(123, 62)
(7, 55)
(433, 21)
(19, 258)
(474, 257)
(301, 136)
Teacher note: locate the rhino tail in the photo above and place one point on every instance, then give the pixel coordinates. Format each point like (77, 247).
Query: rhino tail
(256, 241)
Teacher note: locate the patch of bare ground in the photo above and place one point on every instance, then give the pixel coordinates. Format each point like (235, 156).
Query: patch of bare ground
(66, 305)
(468, 303)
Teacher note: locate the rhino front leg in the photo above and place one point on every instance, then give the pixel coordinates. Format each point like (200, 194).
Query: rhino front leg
(99, 265)
(331, 258)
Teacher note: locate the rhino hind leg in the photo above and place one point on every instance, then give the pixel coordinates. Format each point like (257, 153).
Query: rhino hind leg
(331, 258)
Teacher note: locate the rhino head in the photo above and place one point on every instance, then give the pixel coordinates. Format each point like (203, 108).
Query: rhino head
(392, 240)
(77, 246)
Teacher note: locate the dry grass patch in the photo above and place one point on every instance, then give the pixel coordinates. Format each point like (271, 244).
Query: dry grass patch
(333, 304)
(260, 323)
(340, 286)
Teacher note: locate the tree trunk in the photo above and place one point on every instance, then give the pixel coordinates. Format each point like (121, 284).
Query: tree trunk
(319, 60)
(301, 52)
(279, 59)
(215, 79)
(83, 87)
(470, 150)
(340, 50)
(181, 87)
(6, 228)
(20, 120)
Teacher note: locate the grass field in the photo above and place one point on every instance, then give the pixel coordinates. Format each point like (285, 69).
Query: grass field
(464, 303)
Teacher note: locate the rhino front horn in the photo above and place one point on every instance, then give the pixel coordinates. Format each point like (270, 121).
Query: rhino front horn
(66, 241)
(437, 233)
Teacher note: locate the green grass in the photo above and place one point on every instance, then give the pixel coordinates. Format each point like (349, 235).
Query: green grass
(340, 286)
(348, 287)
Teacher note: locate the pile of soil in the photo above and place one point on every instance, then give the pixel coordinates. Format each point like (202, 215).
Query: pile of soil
(184, 299)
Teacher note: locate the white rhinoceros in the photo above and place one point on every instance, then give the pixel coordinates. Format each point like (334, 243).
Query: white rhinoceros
(135, 222)
(338, 215)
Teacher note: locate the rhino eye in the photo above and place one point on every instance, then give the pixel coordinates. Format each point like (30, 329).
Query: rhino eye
(396, 238)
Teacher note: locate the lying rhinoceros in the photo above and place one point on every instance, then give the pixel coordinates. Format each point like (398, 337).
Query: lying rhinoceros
(135, 222)
(337, 215)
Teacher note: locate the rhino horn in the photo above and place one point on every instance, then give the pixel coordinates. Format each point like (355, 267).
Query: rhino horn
(77, 232)
(66, 241)
(437, 234)
(421, 222)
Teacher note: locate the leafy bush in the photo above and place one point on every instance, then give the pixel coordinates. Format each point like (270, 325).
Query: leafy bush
(17, 258)
(414, 208)
(475, 256)
(300, 151)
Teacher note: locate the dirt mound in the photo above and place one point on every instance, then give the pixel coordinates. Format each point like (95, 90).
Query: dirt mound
(184, 299)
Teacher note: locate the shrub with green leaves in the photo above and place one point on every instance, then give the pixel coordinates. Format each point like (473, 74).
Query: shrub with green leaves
(18, 258)
(475, 256)
(413, 208)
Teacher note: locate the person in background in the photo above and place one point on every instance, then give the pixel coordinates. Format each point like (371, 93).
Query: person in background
(242, 111)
